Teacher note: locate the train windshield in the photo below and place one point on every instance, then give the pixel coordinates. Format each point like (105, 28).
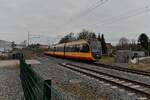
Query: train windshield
(95, 46)
(95, 49)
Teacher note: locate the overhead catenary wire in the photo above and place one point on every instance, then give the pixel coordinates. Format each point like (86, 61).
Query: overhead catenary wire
(124, 16)
(84, 13)
(112, 20)
(88, 10)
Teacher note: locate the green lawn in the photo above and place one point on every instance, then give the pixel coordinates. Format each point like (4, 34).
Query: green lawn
(106, 60)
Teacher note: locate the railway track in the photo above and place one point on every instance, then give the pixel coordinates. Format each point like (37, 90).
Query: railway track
(129, 85)
(133, 71)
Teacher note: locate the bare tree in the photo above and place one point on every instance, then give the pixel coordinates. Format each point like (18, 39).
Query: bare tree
(133, 44)
(123, 43)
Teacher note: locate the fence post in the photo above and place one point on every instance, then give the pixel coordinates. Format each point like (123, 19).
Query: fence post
(47, 90)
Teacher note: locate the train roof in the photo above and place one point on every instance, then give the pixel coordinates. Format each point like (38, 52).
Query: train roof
(76, 42)
(59, 45)
(70, 43)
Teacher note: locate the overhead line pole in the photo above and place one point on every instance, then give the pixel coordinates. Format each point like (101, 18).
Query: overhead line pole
(28, 38)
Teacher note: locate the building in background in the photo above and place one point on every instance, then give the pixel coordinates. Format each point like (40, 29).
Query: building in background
(5, 46)
(20, 46)
(43, 46)
(109, 49)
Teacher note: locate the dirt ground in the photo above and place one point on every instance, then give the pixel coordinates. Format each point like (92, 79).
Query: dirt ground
(144, 65)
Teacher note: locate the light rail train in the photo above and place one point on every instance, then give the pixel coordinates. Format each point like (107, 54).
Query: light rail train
(85, 50)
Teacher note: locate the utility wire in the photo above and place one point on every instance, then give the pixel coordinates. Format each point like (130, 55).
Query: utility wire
(88, 10)
(85, 12)
(125, 16)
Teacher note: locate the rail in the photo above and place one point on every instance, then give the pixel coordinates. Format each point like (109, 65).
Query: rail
(114, 80)
(134, 71)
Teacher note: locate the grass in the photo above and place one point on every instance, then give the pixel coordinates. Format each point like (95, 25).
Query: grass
(106, 60)
(144, 65)
(141, 66)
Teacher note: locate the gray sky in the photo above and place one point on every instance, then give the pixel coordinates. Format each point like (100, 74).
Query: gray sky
(50, 19)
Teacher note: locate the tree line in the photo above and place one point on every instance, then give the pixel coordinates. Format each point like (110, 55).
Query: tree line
(141, 44)
(85, 35)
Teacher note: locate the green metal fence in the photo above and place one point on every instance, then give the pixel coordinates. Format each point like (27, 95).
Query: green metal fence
(34, 86)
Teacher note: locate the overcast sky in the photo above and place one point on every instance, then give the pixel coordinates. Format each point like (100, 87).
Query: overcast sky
(52, 19)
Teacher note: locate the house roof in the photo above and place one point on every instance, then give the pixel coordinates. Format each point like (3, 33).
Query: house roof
(108, 45)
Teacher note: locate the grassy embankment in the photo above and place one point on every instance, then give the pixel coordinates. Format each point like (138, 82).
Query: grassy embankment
(106, 60)
(144, 65)
(141, 66)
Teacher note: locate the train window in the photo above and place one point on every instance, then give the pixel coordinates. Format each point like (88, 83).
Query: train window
(84, 48)
(54, 49)
(61, 49)
(69, 49)
(76, 48)
(50, 48)
(72, 48)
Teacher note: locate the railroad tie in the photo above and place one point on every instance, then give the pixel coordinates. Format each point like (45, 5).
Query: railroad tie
(127, 84)
(143, 89)
(107, 84)
(115, 80)
(135, 86)
(114, 87)
(120, 81)
(108, 78)
(142, 98)
(131, 94)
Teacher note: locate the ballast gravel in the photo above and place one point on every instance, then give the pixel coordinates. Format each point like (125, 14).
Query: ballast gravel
(49, 69)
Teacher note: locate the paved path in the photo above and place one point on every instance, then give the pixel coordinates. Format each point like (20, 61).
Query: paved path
(14, 63)
(10, 84)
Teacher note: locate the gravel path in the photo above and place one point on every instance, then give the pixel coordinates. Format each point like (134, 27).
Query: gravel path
(10, 84)
(50, 70)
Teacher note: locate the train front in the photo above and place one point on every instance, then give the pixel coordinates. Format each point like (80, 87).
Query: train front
(96, 49)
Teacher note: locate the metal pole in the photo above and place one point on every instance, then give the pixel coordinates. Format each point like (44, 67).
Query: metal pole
(28, 38)
(148, 47)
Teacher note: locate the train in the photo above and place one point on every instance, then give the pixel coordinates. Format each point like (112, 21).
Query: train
(84, 50)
